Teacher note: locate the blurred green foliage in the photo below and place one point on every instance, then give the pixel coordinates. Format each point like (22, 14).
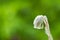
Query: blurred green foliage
(16, 19)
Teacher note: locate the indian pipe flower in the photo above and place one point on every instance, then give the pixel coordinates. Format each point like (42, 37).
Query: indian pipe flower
(40, 22)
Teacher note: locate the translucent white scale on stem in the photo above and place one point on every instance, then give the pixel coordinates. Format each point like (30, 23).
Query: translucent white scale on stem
(39, 23)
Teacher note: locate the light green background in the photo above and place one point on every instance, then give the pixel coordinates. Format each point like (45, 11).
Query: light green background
(16, 19)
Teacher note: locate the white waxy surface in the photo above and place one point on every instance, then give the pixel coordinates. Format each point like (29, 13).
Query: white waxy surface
(39, 23)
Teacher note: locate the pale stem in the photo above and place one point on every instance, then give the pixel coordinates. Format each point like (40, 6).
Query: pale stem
(47, 30)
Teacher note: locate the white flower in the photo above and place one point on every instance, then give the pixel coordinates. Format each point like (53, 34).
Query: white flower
(39, 22)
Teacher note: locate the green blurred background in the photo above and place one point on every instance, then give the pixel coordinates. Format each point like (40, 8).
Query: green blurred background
(16, 19)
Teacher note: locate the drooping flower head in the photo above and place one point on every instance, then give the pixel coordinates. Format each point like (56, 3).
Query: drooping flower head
(38, 22)
(41, 21)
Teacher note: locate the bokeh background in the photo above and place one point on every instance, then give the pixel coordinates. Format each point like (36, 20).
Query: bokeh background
(17, 16)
